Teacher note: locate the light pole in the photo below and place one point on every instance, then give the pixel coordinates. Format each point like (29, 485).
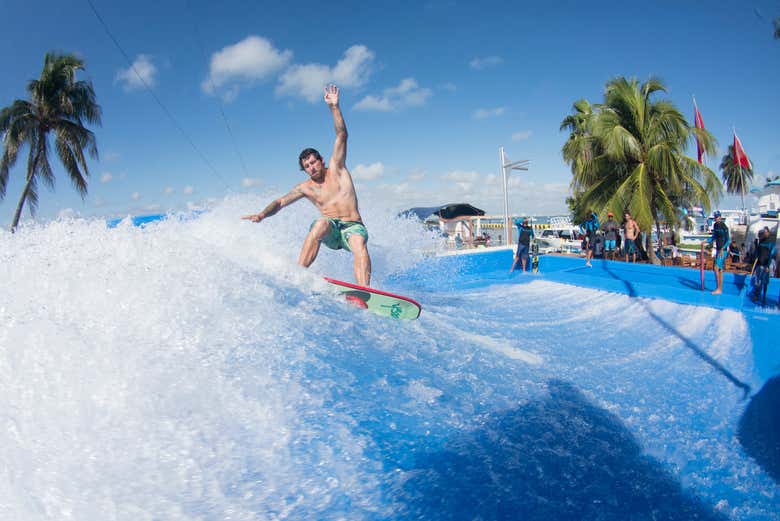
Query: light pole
(505, 166)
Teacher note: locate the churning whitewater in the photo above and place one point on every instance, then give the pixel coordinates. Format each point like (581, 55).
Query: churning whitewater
(191, 370)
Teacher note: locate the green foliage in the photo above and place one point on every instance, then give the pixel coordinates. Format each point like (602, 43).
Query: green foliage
(58, 105)
(628, 153)
(735, 179)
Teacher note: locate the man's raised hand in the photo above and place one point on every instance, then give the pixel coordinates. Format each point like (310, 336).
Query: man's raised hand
(332, 95)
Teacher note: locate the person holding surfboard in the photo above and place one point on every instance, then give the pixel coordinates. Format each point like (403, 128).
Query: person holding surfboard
(525, 234)
(332, 191)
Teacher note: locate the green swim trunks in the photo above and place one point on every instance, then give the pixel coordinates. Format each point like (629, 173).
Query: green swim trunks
(340, 232)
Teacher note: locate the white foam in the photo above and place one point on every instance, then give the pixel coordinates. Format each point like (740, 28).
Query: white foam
(191, 370)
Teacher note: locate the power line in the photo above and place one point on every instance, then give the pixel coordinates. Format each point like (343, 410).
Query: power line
(156, 98)
(199, 41)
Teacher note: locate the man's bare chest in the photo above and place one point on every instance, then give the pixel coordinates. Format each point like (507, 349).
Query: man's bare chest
(327, 191)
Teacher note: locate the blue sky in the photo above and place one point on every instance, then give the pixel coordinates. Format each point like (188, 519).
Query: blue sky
(430, 90)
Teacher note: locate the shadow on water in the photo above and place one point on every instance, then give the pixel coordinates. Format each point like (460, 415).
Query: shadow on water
(759, 428)
(558, 457)
(687, 341)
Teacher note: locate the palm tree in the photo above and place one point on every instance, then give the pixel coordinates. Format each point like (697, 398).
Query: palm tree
(641, 164)
(58, 104)
(735, 178)
(580, 148)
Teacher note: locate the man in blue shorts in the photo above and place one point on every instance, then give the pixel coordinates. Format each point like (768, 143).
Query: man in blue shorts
(524, 235)
(631, 231)
(611, 230)
(722, 238)
(331, 190)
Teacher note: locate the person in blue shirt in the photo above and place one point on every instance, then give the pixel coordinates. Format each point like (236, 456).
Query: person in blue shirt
(589, 228)
(722, 238)
(765, 253)
(525, 233)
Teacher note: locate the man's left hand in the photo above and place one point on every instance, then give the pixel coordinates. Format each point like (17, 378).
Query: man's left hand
(332, 95)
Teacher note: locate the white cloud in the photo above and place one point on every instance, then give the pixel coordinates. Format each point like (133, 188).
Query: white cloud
(407, 94)
(521, 136)
(483, 190)
(308, 81)
(462, 176)
(106, 177)
(487, 113)
(252, 59)
(169, 190)
(135, 196)
(188, 190)
(142, 71)
(416, 174)
(399, 189)
(67, 213)
(249, 182)
(483, 63)
(368, 172)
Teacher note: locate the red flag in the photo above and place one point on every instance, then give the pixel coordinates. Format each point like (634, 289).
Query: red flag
(740, 157)
(699, 124)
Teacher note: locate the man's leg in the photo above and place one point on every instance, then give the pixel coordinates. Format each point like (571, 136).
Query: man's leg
(311, 245)
(362, 262)
(720, 280)
(716, 271)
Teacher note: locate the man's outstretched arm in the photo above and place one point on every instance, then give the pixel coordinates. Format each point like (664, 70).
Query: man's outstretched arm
(339, 156)
(276, 205)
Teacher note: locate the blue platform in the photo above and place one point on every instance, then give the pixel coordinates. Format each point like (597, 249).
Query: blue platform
(674, 284)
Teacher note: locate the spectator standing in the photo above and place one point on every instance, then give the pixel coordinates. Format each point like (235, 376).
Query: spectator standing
(631, 231)
(589, 228)
(611, 231)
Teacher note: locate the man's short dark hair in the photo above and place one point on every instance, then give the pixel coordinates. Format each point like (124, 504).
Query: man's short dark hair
(306, 153)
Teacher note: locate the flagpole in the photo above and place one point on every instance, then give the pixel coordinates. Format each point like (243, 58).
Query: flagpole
(741, 178)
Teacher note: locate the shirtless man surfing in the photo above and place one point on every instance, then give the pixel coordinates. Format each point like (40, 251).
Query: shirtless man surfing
(331, 190)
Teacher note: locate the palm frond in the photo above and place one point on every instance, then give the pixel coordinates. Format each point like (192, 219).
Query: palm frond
(664, 204)
(43, 166)
(69, 158)
(641, 202)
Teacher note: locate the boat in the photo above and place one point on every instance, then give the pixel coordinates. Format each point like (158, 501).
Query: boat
(560, 236)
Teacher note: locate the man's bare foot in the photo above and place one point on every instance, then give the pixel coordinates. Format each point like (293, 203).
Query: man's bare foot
(356, 301)
(717, 292)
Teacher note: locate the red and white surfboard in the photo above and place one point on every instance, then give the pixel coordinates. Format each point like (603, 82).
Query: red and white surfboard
(376, 301)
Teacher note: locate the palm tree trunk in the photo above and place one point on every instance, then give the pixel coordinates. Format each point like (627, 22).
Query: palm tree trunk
(23, 198)
(649, 242)
(651, 256)
(18, 212)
